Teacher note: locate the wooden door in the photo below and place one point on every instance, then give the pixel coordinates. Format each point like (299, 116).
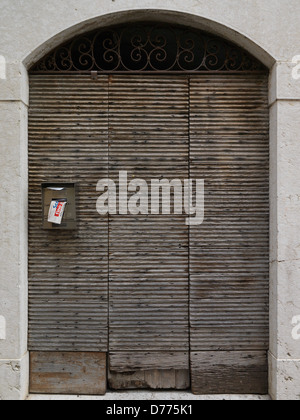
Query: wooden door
(229, 252)
(148, 254)
(159, 299)
(68, 270)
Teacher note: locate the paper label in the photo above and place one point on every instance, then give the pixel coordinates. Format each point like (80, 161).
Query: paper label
(56, 211)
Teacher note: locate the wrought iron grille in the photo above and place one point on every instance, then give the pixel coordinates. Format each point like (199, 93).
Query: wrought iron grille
(148, 48)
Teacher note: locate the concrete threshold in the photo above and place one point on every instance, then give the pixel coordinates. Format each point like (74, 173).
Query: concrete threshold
(149, 396)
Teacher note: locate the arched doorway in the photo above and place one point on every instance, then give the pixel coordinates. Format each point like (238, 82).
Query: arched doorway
(165, 302)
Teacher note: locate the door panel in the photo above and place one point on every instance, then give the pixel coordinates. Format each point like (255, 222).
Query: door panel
(236, 372)
(229, 264)
(81, 373)
(68, 290)
(148, 254)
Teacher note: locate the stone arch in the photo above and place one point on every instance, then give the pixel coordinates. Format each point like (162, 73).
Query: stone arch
(162, 16)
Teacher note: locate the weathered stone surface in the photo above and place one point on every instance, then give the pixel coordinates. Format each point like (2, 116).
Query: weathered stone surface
(282, 83)
(14, 376)
(15, 86)
(284, 379)
(272, 25)
(13, 228)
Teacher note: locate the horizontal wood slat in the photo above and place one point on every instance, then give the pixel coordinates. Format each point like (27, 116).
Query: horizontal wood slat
(150, 379)
(134, 361)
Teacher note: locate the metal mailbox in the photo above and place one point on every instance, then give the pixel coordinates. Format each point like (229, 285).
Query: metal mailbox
(62, 193)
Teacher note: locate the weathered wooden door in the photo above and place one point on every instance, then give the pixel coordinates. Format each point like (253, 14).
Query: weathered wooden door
(68, 270)
(229, 264)
(157, 300)
(202, 289)
(149, 254)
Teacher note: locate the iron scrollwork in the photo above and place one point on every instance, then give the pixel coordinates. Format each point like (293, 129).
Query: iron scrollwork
(148, 48)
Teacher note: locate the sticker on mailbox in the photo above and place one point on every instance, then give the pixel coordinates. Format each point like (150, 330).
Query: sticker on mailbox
(56, 211)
